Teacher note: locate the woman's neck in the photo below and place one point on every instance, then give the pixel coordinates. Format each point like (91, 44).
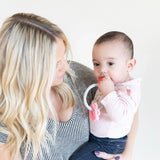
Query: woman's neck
(63, 115)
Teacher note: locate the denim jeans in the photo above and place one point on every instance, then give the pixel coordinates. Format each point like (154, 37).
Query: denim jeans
(108, 145)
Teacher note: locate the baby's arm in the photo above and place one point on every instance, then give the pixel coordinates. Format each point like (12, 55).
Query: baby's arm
(119, 105)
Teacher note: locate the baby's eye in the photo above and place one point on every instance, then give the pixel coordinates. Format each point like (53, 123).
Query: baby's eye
(111, 63)
(96, 64)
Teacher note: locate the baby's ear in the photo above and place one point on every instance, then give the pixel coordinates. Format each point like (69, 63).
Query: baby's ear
(131, 64)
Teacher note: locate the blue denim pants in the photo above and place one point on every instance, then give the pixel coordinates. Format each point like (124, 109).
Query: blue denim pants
(108, 145)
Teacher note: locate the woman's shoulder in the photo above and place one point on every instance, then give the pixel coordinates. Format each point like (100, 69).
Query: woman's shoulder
(84, 78)
(83, 73)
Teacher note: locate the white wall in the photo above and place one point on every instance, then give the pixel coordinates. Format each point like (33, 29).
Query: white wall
(84, 21)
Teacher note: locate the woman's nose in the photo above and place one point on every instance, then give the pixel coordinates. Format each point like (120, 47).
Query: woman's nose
(64, 65)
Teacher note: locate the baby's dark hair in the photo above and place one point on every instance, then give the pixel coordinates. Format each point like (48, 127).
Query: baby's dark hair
(116, 35)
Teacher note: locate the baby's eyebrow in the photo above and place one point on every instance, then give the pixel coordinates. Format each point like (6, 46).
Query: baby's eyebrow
(108, 58)
(111, 58)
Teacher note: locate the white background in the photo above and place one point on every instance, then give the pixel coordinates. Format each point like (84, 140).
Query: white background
(83, 21)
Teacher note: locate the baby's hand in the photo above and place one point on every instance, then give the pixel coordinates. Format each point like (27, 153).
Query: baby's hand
(105, 85)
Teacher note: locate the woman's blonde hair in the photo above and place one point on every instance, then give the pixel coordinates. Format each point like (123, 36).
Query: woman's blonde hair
(27, 66)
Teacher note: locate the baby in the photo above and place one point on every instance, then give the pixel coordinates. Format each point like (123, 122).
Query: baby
(117, 97)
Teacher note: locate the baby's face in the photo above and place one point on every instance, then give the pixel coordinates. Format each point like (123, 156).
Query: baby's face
(111, 58)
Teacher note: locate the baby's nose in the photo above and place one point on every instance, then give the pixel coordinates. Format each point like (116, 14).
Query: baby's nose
(103, 70)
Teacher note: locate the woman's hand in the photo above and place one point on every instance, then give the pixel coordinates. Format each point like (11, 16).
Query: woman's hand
(107, 156)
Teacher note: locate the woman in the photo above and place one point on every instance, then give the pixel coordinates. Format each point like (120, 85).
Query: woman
(41, 117)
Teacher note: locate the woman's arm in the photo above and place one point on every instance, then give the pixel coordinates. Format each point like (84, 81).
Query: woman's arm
(127, 153)
(5, 154)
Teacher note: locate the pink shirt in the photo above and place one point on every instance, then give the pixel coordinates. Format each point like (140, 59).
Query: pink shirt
(118, 110)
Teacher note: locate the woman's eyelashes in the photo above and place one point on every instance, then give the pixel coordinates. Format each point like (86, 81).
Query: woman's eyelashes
(60, 62)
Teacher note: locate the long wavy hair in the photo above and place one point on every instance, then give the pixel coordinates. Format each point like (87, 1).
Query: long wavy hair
(27, 66)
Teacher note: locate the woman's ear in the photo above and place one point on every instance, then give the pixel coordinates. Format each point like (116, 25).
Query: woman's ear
(131, 64)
